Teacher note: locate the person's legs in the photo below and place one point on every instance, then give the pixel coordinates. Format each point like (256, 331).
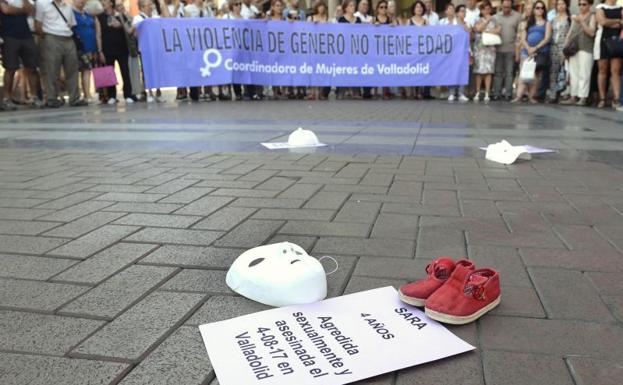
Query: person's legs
(500, 73)
(478, 85)
(85, 77)
(53, 59)
(585, 68)
(111, 90)
(509, 72)
(488, 79)
(574, 75)
(125, 76)
(70, 66)
(601, 78)
(615, 80)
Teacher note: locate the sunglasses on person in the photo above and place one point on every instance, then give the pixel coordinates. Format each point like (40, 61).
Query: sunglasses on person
(236, 4)
(383, 7)
(583, 4)
(538, 8)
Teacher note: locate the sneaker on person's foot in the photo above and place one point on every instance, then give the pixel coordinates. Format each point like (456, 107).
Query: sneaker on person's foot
(79, 103)
(150, 99)
(112, 101)
(8, 105)
(487, 98)
(466, 296)
(451, 98)
(129, 100)
(463, 98)
(439, 270)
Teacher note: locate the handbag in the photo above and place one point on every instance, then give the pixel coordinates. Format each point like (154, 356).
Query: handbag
(528, 70)
(614, 46)
(104, 77)
(489, 39)
(571, 48)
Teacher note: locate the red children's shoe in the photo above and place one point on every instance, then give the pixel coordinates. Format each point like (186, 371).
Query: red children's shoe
(466, 296)
(439, 270)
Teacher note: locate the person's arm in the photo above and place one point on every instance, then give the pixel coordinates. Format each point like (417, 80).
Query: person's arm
(11, 10)
(590, 27)
(164, 10)
(98, 39)
(546, 39)
(605, 22)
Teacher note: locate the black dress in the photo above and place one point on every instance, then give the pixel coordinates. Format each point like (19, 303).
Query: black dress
(115, 47)
(609, 33)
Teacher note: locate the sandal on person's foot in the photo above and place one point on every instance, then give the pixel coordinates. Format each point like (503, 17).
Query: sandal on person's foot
(601, 104)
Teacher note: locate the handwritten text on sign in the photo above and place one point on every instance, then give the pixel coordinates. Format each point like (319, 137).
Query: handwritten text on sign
(336, 341)
(194, 52)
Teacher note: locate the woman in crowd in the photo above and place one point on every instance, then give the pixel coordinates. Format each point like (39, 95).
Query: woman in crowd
(348, 9)
(459, 92)
(235, 7)
(391, 13)
(275, 13)
(609, 18)
(86, 28)
(381, 18)
(535, 44)
(363, 9)
(582, 33)
(112, 37)
(320, 14)
(484, 55)
(417, 19)
(560, 29)
(450, 16)
(134, 67)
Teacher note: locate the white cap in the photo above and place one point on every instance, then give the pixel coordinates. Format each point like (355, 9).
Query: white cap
(504, 153)
(302, 138)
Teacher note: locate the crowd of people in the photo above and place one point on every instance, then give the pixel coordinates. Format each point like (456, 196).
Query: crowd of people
(518, 52)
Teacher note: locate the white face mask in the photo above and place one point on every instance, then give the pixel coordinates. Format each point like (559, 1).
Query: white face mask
(302, 138)
(280, 274)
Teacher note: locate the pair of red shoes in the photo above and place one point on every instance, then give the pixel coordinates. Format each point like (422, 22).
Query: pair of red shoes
(454, 292)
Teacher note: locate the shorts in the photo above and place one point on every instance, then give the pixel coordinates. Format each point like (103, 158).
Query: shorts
(87, 61)
(15, 49)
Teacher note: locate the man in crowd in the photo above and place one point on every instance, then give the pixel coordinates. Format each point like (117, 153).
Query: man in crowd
(19, 45)
(503, 78)
(472, 13)
(293, 11)
(53, 22)
(249, 10)
(431, 16)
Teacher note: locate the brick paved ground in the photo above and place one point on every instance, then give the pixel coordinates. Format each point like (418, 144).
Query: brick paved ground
(110, 258)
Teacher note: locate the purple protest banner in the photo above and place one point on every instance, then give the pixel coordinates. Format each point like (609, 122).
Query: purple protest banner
(196, 52)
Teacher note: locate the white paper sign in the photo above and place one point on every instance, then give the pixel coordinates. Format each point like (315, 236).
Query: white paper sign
(331, 342)
(283, 145)
(530, 149)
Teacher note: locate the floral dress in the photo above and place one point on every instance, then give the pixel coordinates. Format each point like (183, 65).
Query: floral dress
(484, 55)
(560, 28)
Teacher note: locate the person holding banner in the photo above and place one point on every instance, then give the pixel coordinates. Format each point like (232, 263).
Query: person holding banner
(320, 15)
(276, 14)
(234, 13)
(534, 41)
(418, 11)
(348, 8)
(293, 11)
(458, 92)
(484, 55)
(381, 18)
(362, 12)
(391, 13)
(432, 18)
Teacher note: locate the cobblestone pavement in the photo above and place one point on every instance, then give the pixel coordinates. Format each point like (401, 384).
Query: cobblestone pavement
(114, 248)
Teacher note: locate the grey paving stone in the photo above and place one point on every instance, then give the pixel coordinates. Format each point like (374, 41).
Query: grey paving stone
(556, 337)
(402, 269)
(607, 261)
(307, 243)
(131, 335)
(130, 197)
(172, 186)
(590, 371)
(19, 369)
(125, 188)
(36, 295)
(357, 284)
(381, 247)
(219, 308)
(276, 183)
(158, 220)
(607, 283)
(434, 242)
(295, 214)
(10, 227)
(22, 214)
(383, 198)
(314, 228)
(27, 244)
(114, 295)
(471, 208)
(361, 190)
(567, 294)
(420, 209)
(327, 200)
(395, 226)
(180, 359)
(204, 206)
(69, 200)
(225, 219)
(176, 236)
(187, 195)
(501, 237)
(465, 369)
(42, 333)
(74, 212)
(357, 211)
(251, 233)
(578, 237)
(20, 202)
(25, 267)
(300, 191)
(83, 225)
(244, 193)
(105, 263)
(519, 302)
(155, 208)
(94, 241)
(505, 260)
(199, 281)
(412, 189)
(377, 179)
(285, 203)
(440, 197)
(193, 257)
(338, 279)
(525, 369)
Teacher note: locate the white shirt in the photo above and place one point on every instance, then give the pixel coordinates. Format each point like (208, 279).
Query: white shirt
(432, 18)
(367, 19)
(249, 11)
(191, 10)
(138, 19)
(51, 20)
(445, 21)
(472, 16)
